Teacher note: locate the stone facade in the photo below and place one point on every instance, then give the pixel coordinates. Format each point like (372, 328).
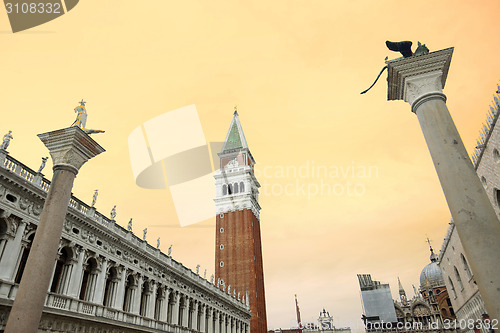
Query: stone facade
(453, 262)
(105, 279)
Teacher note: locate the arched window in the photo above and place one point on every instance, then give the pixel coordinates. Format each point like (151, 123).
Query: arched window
(242, 187)
(466, 267)
(457, 275)
(224, 189)
(230, 189)
(88, 280)
(453, 291)
(24, 259)
(127, 295)
(61, 272)
(110, 288)
(235, 187)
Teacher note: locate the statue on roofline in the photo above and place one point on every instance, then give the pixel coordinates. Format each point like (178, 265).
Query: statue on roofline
(44, 160)
(6, 140)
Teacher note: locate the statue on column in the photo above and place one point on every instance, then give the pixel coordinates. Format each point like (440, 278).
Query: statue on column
(129, 227)
(197, 269)
(113, 213)
(94, 198)
(158, 243)
(144, 233)
(44, 160)
(6, 140)
(81, 119)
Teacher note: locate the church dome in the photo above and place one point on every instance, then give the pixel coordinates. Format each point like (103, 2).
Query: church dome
(432, 273)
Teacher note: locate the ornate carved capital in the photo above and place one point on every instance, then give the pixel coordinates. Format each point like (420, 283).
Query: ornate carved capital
(417, 86)
(70, 148)
(413, 77)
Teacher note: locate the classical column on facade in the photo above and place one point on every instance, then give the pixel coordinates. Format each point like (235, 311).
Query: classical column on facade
(119, 297)
(162, 314)
(101, 282)
(203, 317)
(164, 305)
(419, 80)
(151, 300)
(210, 320)
(76, 274)
(194, 321)
(69, 148)
(217, 322)
(176, 307)
(13, 249)
(135, 302)
(185, 312)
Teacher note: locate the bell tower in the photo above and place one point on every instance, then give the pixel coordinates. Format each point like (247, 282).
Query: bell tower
(238, 249)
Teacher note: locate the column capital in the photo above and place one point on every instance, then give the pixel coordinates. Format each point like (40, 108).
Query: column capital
(70, 147)
(413, 78)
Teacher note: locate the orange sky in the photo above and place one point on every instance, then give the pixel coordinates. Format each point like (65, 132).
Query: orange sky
(295, 70)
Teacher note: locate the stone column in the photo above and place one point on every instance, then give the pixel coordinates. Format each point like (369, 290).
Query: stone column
(150, 309)
(69, 148)
(76, 275)
(120, 288)
(135, 301)
(164, 305)
(100, 284)
(419, 80)
(203, 318)
(12, 248)
(185, 312)
(194, 320)
(217, 322)
(175, 312)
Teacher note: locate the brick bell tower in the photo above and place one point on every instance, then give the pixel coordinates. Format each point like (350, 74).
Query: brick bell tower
(238, 249)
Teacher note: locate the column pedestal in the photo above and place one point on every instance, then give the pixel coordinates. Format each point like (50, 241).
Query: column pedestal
(69, 148)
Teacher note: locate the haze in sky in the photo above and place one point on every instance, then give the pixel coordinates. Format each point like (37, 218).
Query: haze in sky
(348, 185)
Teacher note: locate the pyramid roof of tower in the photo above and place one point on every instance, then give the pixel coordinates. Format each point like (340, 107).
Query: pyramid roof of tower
(235, 137)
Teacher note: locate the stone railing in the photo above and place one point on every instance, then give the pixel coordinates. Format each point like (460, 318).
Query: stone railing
(66, 303)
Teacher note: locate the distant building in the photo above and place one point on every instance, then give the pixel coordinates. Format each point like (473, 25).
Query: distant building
(424, 312)
(453, 262)
(324, 324)
(377, 301)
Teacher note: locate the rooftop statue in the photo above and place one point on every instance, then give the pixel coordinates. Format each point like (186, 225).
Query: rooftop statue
(81, 119)
(44, 160)
(94, 198)
(405, 49)
(129, 227)
(6, 140)
(113, 213)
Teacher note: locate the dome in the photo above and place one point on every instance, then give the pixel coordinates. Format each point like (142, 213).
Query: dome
(433, 274)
